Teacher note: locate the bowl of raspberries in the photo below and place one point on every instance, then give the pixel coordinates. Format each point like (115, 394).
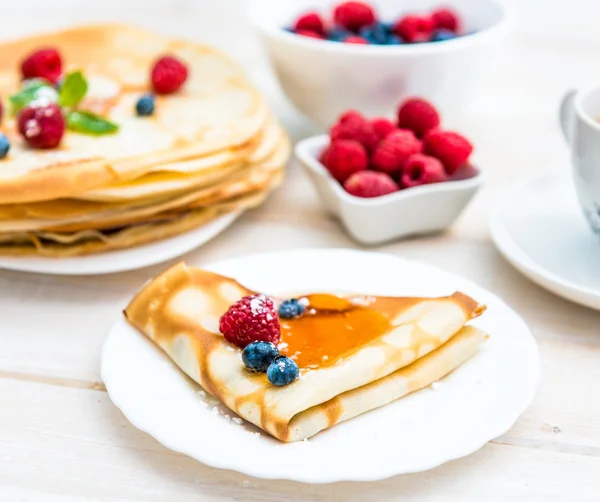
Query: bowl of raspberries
(389, 179)
(331, 56)
(352, 22)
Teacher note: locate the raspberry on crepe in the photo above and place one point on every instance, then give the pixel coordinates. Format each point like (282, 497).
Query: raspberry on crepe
(168, 75)
(253, 318)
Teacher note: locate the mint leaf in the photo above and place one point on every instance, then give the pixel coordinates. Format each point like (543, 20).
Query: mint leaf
(34, 91)
(35, 82)
(90, 123)
(73, 89)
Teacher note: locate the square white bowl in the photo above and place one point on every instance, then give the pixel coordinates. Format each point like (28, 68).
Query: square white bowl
(323, 79)
(410, 212)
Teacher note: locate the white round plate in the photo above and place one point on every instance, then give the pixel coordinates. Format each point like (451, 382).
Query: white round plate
(540, 228)
(124, 259)
(478, 402)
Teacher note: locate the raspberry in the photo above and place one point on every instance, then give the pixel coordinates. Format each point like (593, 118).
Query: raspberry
(421, 170)
(352, 125)
(464, 172)
(446, 19)
(370, 184)
(391, 154)
(312, 22)
(354, 15)
(323, 156)
(382, 127)
(450, 148)
(350, 115)
(345, 157)
(418, 115)
(355, 39)
(168, 75)
(43, 63)
(414, 28)
(310, 34)
(42, 127)
(251, 319)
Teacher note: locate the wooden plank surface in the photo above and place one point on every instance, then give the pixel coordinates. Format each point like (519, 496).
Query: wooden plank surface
(61, 439)
(85, 450)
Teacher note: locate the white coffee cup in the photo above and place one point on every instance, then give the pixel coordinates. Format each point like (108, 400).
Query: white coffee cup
(579, 115)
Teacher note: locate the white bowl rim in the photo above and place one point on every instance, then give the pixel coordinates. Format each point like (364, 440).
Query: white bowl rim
(303, 154)
(278, 32)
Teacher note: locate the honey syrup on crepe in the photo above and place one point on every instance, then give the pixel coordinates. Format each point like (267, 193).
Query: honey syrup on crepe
(330, 328)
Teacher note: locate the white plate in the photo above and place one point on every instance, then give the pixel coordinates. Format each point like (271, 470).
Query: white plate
(124, 259)
(478, 402)
(540, 229)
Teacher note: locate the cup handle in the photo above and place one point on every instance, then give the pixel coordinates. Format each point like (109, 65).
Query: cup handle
(567, 115)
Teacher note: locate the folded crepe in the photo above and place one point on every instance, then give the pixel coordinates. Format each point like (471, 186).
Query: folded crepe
(401, 345)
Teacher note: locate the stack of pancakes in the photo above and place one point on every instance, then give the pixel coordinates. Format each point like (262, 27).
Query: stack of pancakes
(209, 149)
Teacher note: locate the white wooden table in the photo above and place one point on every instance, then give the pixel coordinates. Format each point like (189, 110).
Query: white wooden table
(61, 439)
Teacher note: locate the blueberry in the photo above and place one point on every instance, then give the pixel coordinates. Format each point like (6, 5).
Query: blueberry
(442, 36)
(389, 27)
(376, 33)
(145, 105)
(338, 35)
(394, 40)
(282, 371)
(4, 146)
(257, 356)
(290, 309)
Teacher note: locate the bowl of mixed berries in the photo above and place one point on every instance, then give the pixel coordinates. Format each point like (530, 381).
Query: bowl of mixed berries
(389, 179)
(333, 56)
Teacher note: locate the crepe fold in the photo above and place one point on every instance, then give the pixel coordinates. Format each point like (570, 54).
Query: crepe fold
(427, 339)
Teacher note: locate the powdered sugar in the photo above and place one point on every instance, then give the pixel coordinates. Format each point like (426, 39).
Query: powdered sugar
(257, 305)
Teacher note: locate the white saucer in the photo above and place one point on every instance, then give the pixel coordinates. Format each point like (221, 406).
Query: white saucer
(125, 259)
(478, 402)
(540, 229)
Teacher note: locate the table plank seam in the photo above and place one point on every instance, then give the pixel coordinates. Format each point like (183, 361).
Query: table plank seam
(548, 445)
(57, 381)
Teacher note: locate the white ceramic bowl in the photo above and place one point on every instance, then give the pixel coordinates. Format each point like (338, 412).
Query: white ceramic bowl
(413, 211)
(324, 79)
